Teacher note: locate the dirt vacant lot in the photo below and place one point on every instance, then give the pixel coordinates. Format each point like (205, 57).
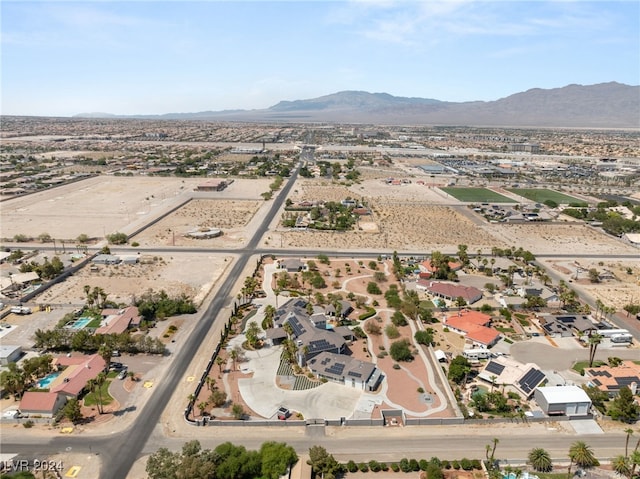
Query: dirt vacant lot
(177, 273)
(231, 216)
(106, 204)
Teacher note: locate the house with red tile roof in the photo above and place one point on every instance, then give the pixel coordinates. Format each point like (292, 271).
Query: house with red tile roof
(450, 291)
(76, 371)
(41, 403)
(475, 326)
(117, 321)
(427, 269)
(610, 379)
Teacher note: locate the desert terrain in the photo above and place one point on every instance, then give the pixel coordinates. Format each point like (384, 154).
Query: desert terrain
(192, 274)
(105, 204)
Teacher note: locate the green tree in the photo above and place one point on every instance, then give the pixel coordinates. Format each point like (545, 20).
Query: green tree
(424, 337)
(277, 458)
(401, 351)
(238, 411)
(458, 369)
(540, 460)
(322, 463)
(373, 288)
(163, 464)
(622, 466)
(72, 410)
(117, 238)
(623, 407)
(594, 340)
(582, 455)
(252, 334)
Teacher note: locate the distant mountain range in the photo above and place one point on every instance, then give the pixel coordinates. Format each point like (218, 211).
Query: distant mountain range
(605, 105)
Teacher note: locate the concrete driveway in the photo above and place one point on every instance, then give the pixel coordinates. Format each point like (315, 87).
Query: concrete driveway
(262, 395)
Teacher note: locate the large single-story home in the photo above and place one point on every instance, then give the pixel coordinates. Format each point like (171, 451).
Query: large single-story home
(116, 321)
(450, 291)
(475, 326)
(346, 370)
(610, 379)
(76, 371)
(514, 375)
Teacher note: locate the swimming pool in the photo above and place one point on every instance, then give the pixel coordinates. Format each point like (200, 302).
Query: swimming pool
(46, 381)
(80, 323)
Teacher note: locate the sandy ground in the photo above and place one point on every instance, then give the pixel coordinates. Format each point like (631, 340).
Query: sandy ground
(560, 239)
(106, 204)
(230, 216)
(616, 289)
(407, 217)
(178, 273)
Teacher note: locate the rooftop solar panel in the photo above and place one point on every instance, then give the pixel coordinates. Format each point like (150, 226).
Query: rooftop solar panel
(495, 368)
(355, 374)
(296, 326)
(336, 369)
(530, 380)
(627, 380)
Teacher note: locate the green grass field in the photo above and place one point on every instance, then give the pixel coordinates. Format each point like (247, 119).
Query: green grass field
(476, 195)
(540, 195)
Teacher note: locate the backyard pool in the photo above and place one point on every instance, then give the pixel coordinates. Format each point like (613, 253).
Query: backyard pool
(79, 323)
(46, 381)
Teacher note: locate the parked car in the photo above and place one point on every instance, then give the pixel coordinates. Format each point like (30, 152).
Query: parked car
(123, 374)
(117, 366)
(115, 354)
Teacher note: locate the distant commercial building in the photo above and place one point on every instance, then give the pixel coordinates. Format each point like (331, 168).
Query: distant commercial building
(525, 147)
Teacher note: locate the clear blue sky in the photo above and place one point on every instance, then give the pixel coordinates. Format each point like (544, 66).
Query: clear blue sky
(152, 57)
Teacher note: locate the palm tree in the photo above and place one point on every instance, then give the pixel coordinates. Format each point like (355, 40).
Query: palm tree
(99, 381)
(202, 406)
(622, 465)
(234, 356)
(594, 340)
(629, 433)
(581, 455)
(540, 460)
(220, 362)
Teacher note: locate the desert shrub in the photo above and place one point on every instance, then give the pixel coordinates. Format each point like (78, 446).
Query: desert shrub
(400, 351)
(445, 464)
(414, 465)
(363, 467)
(455, 465)
(374, 466)
(372, 328)
(476, 464)
(423, 464)
(466, 464)
(395, 467)
(404, 465)
(398, 319)
(373, 288)
(391, 331)
(352, 466)
(434, 472)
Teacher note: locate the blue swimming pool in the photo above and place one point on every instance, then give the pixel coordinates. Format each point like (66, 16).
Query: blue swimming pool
(46, 381)
(80, 323)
